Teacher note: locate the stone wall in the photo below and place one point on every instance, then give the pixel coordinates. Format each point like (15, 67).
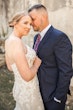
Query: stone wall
(2, 55)
(60, 14)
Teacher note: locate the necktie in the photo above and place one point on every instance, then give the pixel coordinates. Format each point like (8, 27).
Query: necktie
(37, 42)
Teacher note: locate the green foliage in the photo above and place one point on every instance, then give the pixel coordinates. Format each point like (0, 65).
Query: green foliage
(6, 84)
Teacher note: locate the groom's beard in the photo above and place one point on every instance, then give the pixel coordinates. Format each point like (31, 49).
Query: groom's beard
(36, 28)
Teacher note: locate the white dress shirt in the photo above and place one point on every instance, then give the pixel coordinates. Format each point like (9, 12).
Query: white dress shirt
(42, 33)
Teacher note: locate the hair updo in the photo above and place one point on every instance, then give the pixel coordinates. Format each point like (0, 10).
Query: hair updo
(16, 18)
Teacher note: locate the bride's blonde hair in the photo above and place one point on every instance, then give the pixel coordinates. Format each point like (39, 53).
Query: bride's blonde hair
(16, 18)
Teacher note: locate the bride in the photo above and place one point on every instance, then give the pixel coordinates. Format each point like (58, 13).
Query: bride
(22, 60)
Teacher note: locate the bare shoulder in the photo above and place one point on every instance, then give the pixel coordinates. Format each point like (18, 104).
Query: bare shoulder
(12, 38)
(13, 41)
(13, 44)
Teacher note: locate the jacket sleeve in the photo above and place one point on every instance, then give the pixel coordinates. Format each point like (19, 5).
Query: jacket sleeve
(63, 55)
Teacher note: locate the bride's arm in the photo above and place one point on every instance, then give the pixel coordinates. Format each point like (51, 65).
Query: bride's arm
(19, 57)
(7, 63)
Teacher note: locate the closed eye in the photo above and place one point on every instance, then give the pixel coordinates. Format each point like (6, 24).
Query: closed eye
(25, 22)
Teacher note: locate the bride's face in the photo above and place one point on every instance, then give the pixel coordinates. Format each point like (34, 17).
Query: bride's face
(24, 25)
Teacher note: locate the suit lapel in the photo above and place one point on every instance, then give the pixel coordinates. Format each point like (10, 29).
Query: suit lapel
(45, 38)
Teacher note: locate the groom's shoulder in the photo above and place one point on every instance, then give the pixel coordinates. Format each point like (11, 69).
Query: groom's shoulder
(58, 33)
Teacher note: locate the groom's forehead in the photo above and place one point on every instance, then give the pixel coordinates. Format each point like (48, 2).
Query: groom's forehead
(34, 13)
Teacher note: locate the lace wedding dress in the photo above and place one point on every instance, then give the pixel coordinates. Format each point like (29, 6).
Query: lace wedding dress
(27, 94)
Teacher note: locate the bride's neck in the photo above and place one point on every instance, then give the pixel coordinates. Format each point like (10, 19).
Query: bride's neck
(17, 34)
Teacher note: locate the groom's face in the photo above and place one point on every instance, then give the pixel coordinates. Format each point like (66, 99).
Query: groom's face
(36, 20)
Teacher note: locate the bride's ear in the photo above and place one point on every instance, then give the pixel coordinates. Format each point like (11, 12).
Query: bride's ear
(14, 23)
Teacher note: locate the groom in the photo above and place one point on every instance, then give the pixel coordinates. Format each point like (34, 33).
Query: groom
(55, 51)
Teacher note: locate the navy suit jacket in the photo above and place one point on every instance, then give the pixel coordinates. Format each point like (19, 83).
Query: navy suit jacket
(55, 72)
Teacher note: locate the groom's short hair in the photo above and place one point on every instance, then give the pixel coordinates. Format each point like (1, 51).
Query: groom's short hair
(37, 7)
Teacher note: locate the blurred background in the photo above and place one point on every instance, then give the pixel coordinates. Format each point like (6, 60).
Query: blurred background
(60, 14)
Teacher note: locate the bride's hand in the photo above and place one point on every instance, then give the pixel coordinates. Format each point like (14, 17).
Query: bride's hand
(36, 65)
(37, 62)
